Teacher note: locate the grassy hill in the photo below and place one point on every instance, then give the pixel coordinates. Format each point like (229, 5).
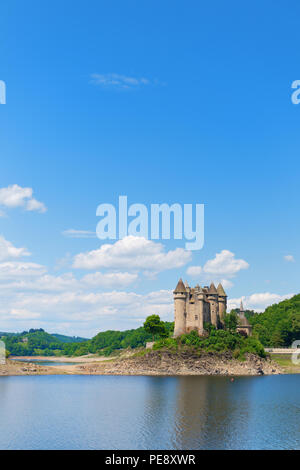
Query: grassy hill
(33, 343)
(279, 325)
(106, 342)
(38, 342)
(69, 339)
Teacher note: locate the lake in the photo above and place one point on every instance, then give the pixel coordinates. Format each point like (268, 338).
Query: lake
(45, 362)
(114, 412)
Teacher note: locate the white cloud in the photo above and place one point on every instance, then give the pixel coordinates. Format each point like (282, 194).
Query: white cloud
(34, 205)
(105, 280)
(12, 270)
(221, 268)
(33, 277)
(84, 313)
(289, 258)
(15, 196)
(73, 233)
(257, 302)
(9, 251)
(194, 271)
(226, 283)
(23, 314)
(225, 264)
(133, 253)
(115, 80)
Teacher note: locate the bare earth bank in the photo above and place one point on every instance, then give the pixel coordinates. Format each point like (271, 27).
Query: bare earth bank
(155, 363)
(86, 358)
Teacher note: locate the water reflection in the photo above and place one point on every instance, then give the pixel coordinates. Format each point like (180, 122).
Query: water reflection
(210, 406)
(95, 412)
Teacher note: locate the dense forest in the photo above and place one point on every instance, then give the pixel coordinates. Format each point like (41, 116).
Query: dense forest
(279, 325)
(38, 342)
(108, 341)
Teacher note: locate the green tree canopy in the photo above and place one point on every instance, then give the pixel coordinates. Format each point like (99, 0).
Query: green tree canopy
(155, 326)
(231, 321)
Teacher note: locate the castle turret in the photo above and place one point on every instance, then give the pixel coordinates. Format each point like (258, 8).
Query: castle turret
(244, 326)
(222, 300)
(201, 300)
(180, 308)
(212, 298)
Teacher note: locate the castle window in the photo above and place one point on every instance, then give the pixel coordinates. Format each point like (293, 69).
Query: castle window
(196, 317)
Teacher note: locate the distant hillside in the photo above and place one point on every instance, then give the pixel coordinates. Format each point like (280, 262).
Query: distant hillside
(279, 325)
(40, 343)
(106, 342)
(37, 342)
(69, 339)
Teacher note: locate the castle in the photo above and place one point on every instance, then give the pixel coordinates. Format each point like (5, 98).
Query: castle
(197, 305)
(194, 306)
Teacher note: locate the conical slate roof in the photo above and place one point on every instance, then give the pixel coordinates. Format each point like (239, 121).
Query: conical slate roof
(220, 290)
(242, 321)
(180, 286)
(212, 289)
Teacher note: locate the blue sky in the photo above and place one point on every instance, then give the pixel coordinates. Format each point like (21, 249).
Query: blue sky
(186, 102)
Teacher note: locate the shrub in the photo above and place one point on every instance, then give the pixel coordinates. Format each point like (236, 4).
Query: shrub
(216, 341)
(169, 343)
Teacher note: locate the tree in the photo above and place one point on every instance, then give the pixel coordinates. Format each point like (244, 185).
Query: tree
(231, 322)
(155, 326)
(277, 339)
(279, 324)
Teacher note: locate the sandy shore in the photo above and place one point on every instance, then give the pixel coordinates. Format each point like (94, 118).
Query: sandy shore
(86, 359)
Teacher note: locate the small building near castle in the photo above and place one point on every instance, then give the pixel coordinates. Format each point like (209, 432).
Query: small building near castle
(193, 306)
(244, 326)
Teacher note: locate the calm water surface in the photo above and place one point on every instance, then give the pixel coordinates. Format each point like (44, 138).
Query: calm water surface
(45, 362)
(107, 412)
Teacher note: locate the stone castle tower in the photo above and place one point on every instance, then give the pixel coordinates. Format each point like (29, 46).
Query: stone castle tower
(194, 306)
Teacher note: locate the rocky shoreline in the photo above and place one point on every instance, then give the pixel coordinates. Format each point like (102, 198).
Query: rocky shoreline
(156, 363)
(188, 363)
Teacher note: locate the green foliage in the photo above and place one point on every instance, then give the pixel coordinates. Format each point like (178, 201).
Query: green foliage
(32, 343)
(154, 326)
(279, 325)
(216, 341)
(248, 313)
(169, 343)
(109, 342)
(69, 339)
(231, 321)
